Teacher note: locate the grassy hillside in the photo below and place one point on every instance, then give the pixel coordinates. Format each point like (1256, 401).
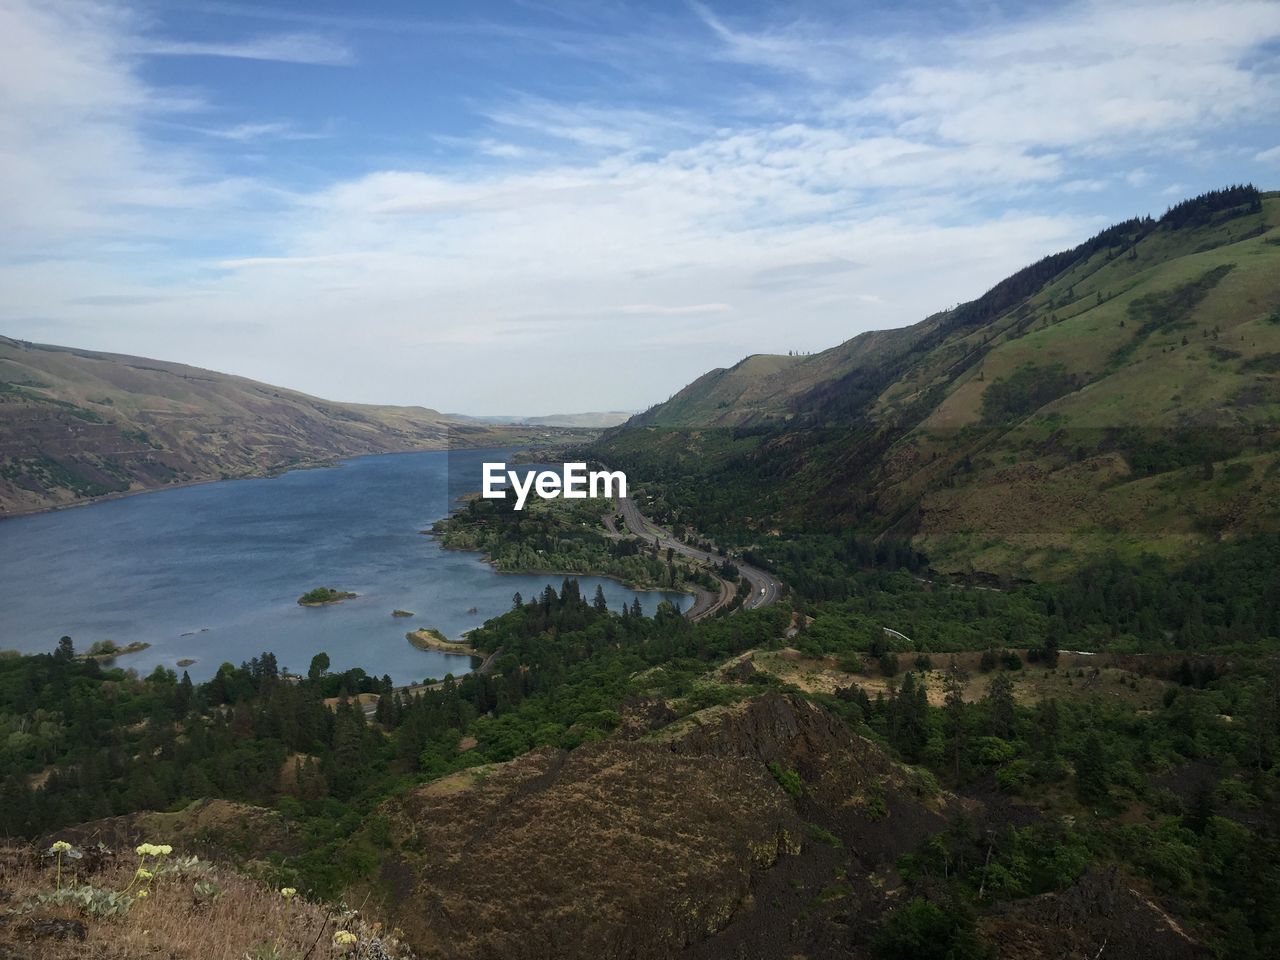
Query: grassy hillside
(1123, 395)
(764, 388)
(75, 424)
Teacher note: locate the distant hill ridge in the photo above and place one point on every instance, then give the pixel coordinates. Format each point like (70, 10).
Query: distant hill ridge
(770, 386)
(594, 420)
(79, 424)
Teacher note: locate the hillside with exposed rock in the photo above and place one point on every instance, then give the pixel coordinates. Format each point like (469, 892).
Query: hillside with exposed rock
(766, 828)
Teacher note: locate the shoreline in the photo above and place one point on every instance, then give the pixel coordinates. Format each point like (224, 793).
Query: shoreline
(431, 639)
(265, 473)
(488, 560)
(184, 484)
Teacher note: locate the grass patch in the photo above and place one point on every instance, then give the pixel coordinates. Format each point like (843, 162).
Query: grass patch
(789, 780)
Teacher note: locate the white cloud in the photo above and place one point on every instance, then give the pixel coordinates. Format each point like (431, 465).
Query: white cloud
(1084, 186)
(1090, 74)
(810, 50)
(302, 48)
(247, 132)
(591, 254)
(74, 164)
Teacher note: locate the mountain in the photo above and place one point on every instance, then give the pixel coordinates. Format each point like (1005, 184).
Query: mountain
(765, 387)
(593, 421)
(1122, 394)
(77, 424)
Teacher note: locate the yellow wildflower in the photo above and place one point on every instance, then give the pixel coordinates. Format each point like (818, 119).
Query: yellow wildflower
(144, 874)
(60, 847)
(145, 849)
(288, 892)
(141, 894)
(164, 850)
(345, 938)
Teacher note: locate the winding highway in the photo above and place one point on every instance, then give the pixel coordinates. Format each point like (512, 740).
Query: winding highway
(765, 588)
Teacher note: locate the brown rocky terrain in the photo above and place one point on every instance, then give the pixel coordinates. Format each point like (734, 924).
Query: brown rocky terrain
(766, 829)
(1098, 916)
(220, 830)
(649, 846)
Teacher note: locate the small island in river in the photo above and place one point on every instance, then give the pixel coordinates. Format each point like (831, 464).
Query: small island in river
(429, 638)
(401, 613)
(322, 596)
(108, 650)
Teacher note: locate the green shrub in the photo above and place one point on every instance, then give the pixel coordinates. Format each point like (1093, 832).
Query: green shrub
(89, 900)
(789, 780)
(920, 930)
(875, 808)
(824, 836)
(851, 663)
(206, 891)
(1015, 776)
(1027, 389)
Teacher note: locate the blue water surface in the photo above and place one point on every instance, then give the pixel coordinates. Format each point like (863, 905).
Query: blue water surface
(212, 572)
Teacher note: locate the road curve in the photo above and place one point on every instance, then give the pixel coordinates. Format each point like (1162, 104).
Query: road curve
(765, 588)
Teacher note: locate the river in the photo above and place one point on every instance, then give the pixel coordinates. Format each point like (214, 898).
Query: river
(212, 572)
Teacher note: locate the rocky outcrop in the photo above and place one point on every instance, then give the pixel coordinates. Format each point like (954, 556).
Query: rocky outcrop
(215, 829)
(585, 853)
(1100, 915)
(644, 847)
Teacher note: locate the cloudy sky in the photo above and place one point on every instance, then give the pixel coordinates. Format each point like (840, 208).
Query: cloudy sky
(536, 207)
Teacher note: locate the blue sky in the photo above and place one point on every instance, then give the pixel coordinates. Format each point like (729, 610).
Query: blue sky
(536, 207)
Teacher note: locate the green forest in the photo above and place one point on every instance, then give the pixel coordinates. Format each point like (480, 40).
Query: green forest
(1182, 796)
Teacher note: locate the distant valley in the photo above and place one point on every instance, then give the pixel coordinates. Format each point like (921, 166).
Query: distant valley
(595, 420)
